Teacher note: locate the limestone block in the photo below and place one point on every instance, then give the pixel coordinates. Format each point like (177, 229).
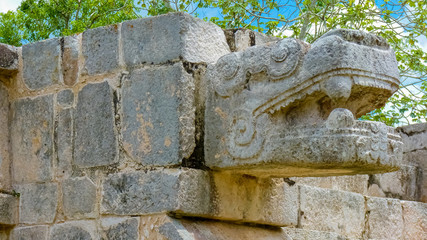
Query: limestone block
(95, 139)
(82, 230)
(384, 218)
(8, 59)
(70, 57)
(37, 202)
(332, 211)
(100, 48)
(8, 209)
(5, 180)
(64, 142)
(41, 63)
(120, 228)
(169, 190)
(39, 232)
(419, 159)
(303, 234)
(414, 220)
(171, 37)
(414, 136)
(158, 115)
(32, 139)
(79, 198)
(65, 98)
(354, 183)
(240, 39)
(288, 109)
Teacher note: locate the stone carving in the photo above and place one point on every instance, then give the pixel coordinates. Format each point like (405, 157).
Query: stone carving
(286, 103)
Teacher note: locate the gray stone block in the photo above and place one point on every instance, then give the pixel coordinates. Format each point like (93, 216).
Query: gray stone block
(38, 202)
(41, 63)
(101, 49)
(70, 57)
(120, 228)
(8, 209)
(78, 230)
(32, 139)
(5, 161)
(65, 98)
(158, 115)
(8, 59)
(169, 190)
(64, 143)
(95, 140)
(332, 211)
(79, 198)
(384, 218)
(30, 233)
(172, 37)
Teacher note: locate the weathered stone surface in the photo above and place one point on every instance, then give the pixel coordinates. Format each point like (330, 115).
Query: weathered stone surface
(332, 211)
(30, 233)
(384, 218)
(158, 115)
(65, 98)
(240, 39)
(37, 202)
(64, 143)
(414, 220)
(78, 230)
(419, 158)
(169, 190)
(414, 137)
(101, 49)
(32, 139)
(79, 198)
(41, 63)
(355, 183)
(171, 37)
(120, 228)
(8, 209)
(303, 234)
(95, 140)
(70, 63)
(5, 160)
(8, 59)
(287, 109)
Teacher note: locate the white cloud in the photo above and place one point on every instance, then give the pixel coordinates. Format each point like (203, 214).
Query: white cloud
(6, 5)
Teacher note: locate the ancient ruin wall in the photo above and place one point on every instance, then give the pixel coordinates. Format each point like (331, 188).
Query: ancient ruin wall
(103, 137)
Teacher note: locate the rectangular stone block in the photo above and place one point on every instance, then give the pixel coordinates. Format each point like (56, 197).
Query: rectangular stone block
(95, 137)
(37, 203)
(159, 115)
(353, 183)
(332, 211)
(41, 63)
(79, 198)
(5, 181)
(240, 39)
(64, 143)
(384, 218)
(169, 190)
(100, 48)
(82, 230)
(29, 233)
(32, 139)
(414, 137)
(8, 209)
(300, 234)
(171, 37)
(418, 159)
(120, 228)
(70, 57)
(414, 220)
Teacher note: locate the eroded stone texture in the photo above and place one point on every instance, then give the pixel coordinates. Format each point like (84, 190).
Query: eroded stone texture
(158, 115)
(64, 143)
(414, 137)
(5, 160)
(101, 49)
(8, 59)
(414, 220)
(65, 98)
(8, 209)
(41, 63)
(240, 39)
(182, 191)
(332, 211)
(384, 218)
(303, 234)
(37, 202)
(95, 140)
(120, 228)
(30, 233)
(32, 139)
(70, 63)
(355, 183)
(79, 198)
(172, 37)
(81, 230)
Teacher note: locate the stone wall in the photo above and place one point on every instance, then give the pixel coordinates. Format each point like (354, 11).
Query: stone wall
(103, 137)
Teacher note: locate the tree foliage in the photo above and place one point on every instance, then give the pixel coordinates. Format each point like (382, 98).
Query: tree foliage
(401, 22)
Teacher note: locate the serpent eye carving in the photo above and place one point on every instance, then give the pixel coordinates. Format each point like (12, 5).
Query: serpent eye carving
(228, 66)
